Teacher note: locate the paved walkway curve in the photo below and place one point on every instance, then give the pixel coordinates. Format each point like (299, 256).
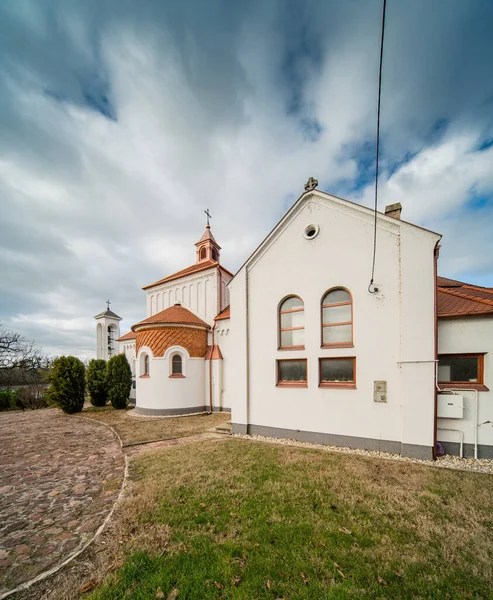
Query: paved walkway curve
(59, 479)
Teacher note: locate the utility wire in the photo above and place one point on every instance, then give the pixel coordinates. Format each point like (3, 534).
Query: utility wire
(371, 288)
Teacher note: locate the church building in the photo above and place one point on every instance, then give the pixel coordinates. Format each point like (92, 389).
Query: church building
(297, 345)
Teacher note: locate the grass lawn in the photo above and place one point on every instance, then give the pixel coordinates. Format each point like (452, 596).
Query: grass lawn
(139, 429)
(241, 520)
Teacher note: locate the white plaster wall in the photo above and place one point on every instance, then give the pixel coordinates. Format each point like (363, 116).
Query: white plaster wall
(224, 339)
(127, 347)
(102, 337)
(464, 335)
(339, 256)
(160, 391)
(198, 292)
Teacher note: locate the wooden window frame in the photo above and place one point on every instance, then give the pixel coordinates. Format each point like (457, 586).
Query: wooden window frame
(351, 322)
(347, 385)
(291, 384)
(177, 375)
(281, 329)
(474, 385)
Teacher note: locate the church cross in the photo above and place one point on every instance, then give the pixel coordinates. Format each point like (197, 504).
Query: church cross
(208, 214)
(108, 304)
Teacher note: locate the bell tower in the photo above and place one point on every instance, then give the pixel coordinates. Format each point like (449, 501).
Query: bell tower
(107, 332)
(207, 247)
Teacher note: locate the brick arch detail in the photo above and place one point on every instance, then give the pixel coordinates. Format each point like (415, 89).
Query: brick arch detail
(159, 340)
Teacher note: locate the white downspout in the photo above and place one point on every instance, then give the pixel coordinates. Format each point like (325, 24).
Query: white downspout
(461, 453)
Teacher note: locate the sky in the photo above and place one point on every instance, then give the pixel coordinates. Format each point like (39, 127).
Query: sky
(121, 121)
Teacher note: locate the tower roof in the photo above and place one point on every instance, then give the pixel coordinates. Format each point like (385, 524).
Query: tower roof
(208, 237)
(109, 314)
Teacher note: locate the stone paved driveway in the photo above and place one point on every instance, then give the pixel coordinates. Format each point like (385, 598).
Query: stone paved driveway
(59, 478)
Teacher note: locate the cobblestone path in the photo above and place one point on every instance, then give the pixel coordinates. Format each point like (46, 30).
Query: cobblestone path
(59, 478)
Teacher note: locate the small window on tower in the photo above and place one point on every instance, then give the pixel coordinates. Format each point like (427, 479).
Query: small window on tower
(214, 254)
(203, 253)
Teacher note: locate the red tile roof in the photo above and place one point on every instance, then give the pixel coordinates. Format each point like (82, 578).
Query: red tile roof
(174, 315)
(207, 236)
(213, 352)
(224, 314)
(202, 266)
(459, 299)
(128, 336)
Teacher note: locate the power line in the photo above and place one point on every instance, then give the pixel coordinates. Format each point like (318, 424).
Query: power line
(371, 288)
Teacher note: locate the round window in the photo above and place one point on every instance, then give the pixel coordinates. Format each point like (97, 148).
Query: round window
(311, 232)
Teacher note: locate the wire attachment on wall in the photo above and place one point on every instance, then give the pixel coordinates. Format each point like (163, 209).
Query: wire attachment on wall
(371, 288)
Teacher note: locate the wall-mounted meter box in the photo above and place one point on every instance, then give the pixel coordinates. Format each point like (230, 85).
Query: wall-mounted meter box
(450, 406)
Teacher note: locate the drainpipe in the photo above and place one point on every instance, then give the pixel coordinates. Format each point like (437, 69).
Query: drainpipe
(436, 252)
(461, 451)
(210, 369)
(247, 332)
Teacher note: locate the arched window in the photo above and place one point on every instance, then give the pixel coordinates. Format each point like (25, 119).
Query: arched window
(203, 252)
(214, 254)
(176, 365)
(144, 365)
(337, 319)
(292, 323)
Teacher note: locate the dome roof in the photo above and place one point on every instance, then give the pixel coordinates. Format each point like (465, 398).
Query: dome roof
(174, 315)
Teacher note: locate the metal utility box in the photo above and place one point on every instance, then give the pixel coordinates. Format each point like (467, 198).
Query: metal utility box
(450, 406)
(379, 391)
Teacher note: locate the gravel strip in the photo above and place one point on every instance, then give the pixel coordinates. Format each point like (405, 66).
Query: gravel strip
(479, 465)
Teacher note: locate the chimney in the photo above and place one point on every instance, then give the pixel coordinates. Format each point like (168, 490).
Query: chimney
(394, 210)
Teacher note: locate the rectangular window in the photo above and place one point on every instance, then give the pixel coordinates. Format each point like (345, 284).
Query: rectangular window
(462, 369)
(292, 373)
(338, 372)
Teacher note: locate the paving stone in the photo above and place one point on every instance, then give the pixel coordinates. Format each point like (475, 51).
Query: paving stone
(52, 495)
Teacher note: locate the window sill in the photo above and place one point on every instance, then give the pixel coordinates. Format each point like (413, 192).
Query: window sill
(344, 345)
(292, 384)
(177, 376)
(146, 376)
(291, 348)
(338, 385)
(480, 387)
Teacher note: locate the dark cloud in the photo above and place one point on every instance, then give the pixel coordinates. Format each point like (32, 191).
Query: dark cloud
(122, 121)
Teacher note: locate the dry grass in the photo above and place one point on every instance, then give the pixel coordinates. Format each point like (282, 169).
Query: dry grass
(229, 518)
(134, 430)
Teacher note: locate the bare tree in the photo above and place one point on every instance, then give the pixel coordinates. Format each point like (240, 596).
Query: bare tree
(17, 352)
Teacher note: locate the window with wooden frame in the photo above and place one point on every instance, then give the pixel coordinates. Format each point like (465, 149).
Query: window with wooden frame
(292, 373)
(461, 370)
(177, 366)
(292, 324)
(337, 372)
(337, 319)
(144, 365)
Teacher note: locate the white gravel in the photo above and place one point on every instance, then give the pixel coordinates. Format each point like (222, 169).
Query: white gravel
(479, 465)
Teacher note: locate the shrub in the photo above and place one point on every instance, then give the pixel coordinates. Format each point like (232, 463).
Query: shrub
(9, 399)
(118, 380)
(96, 382)
(67, 384)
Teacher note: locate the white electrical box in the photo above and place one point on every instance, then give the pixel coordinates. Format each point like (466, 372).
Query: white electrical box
(450, 406)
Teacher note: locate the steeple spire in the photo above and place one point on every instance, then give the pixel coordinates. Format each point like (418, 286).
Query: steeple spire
(207, 247)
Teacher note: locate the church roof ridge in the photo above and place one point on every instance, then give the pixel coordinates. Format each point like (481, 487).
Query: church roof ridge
(174, 315)
(130, 335)
(202, 266)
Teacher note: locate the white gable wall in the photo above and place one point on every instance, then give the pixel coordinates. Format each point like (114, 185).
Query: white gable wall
(339, 256)
(199, 292)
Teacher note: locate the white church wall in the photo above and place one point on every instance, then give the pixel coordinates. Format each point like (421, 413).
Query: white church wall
(223, 338)
(161, 394)
(198, 292)
(467, 336)
(340, 255)
(127, 347)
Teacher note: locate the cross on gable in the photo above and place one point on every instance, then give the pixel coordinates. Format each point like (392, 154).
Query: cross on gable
(108, 304)
(208, 214)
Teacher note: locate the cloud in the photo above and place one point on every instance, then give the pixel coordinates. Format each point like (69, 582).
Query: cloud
(122, 122)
